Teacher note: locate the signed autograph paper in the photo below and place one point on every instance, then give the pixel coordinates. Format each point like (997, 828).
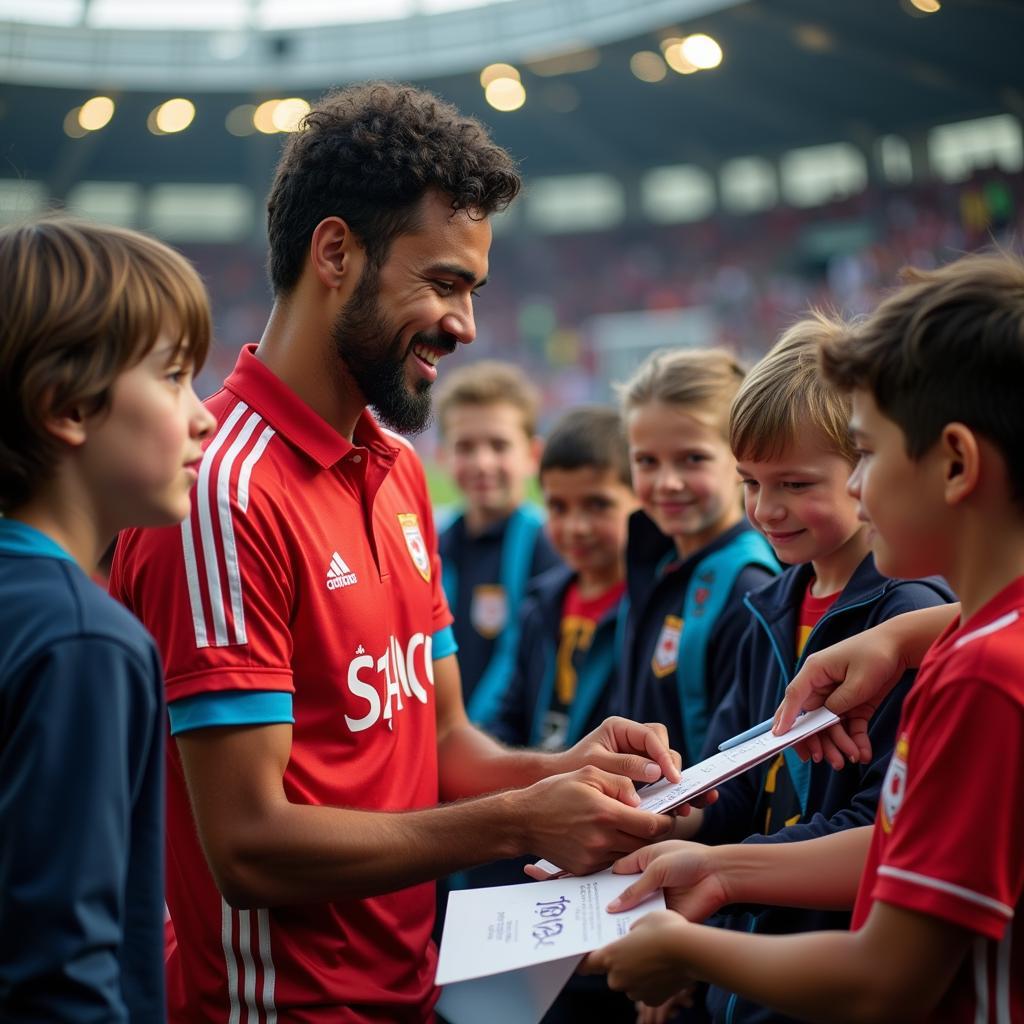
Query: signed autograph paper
(508, 950)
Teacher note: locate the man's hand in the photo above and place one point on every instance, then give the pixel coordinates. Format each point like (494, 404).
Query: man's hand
(643, 964)
(685, 871)
(586, 819)
(623, 747)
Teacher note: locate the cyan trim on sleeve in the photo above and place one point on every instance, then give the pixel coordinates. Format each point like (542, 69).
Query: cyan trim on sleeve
(444, 643)
(230, 707)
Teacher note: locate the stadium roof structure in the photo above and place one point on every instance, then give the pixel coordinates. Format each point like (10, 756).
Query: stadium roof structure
(794, 73)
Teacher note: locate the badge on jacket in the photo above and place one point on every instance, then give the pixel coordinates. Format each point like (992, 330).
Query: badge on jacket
(488, 609)
(666, 651)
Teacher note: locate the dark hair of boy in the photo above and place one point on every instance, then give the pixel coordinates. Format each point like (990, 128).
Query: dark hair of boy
(82, 304)
(368, 155)
(484, 383)
(590, 437)
(948, 346)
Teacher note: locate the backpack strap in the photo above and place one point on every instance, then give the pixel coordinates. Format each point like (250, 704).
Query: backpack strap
(521, 533)
(707, 594)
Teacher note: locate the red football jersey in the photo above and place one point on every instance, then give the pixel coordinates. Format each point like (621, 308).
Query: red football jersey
(309, 565)
(949, 836)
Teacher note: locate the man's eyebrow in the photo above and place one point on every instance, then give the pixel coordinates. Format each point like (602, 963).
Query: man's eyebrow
(454, 270)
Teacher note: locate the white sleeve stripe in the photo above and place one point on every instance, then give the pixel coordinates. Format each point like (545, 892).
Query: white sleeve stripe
(993, 627)
(220, 627)
(227, 529)
(269, 974)
(247, 466)
(195, 596)
(230, 963)
(969, 895)
(248, 967)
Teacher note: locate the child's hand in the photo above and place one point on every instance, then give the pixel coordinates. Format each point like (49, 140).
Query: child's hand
(693, 888)
(666, 1011)
(643, 963)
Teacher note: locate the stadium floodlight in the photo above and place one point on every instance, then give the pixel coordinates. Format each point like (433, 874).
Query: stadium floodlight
(72, 126)
(647, 66)
(239, 120)
(287, 114)
(926, 6)
(96, 113)
(677, 60)
(505, 94)
(496, 71)
(172, 116)
(701, 51)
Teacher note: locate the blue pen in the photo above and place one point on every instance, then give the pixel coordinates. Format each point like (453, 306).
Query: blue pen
(757, 730)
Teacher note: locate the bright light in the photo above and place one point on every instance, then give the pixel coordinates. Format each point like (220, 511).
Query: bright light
(677, 61)
(505, 94)
(96, 113)
(927, 6)
(263, 117)
(239, 120)
(670, 41)
(702, 51)
(647, 66)
(495, 71)
(173, 116)
(72, 126)
(288, 113)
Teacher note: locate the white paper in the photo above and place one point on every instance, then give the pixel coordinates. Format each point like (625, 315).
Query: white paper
(696, 780)
(508, 950)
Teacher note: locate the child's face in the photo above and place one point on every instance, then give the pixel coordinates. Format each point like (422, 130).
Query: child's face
(490, 456)
(142, 456)
(799, 500)
(684, 474)
(588, 516)
(900, 499)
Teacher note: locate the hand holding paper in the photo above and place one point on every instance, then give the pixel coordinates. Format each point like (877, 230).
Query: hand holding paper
(697, 780)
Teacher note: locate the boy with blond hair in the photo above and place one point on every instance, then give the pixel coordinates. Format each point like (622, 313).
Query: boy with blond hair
(487, 417)
(935, 375)
(100, 332)
(789, 431)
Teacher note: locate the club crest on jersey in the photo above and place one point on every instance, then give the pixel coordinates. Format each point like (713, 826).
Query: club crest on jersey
(410, 525)
(895, 784)
(488, 609)
(666, 651)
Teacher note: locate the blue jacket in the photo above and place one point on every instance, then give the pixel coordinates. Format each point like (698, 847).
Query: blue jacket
(485, 578)
(828, 801)
(81, 796)
(528, 698)
(662, 592)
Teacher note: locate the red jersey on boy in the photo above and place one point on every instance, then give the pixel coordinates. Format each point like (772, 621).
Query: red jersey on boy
(307, 572)
(949, 837)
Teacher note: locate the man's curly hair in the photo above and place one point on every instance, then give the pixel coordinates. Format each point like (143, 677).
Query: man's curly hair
(368, 154)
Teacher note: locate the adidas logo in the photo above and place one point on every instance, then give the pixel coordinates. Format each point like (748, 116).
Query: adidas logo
(339, 574)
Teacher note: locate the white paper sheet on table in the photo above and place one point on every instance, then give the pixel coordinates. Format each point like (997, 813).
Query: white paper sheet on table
(508, 950)
(727, 764)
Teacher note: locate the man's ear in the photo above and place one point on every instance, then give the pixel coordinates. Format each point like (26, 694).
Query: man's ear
(960, 457)
(335, 253)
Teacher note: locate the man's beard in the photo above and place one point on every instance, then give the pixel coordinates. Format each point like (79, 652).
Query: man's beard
(378, 366)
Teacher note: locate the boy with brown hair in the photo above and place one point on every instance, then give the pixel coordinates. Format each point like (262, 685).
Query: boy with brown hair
(487, 417)
(789, 430)
(101, 330)
(935, 375)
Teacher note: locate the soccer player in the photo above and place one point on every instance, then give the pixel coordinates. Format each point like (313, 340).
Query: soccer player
(313, 688)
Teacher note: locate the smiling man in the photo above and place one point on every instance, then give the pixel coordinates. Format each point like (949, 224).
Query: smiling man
(312, 683)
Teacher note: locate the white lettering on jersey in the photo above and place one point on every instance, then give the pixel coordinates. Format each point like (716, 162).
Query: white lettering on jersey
(339, 574)
(396, 674)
